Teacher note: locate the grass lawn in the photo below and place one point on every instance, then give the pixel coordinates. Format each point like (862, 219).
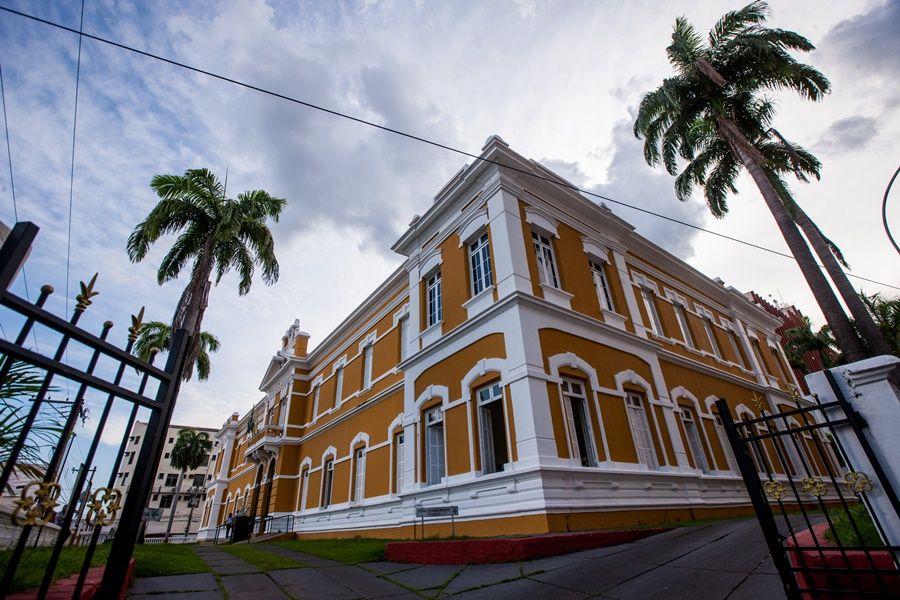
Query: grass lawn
(151, 560)
(348, 551)
(254, 555)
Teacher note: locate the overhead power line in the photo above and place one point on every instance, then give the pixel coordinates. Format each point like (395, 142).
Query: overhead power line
(417, 138)
(72, 168)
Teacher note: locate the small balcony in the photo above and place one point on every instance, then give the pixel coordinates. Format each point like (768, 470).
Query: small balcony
(267, 440)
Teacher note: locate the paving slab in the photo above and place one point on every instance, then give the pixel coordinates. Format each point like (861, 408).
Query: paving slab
(552, 562)
(310, 583)
(251, 586)
(198, 582)
(521, 588)
(475, 576)
(216, 595)
(673, 583)
(426, 577)
(759, 585)
(307, 559)
(594, 576)
(386, 568)
(363, 583)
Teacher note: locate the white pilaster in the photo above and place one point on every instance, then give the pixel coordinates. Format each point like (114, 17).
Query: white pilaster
(628, 289)
(507, 240)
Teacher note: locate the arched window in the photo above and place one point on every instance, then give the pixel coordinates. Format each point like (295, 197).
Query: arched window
(304, 489)
(359, 474)
(491, 419)
(724, 443)
(578, 415)
(435, 467)
(691, 423)
(399, 460)
(637, 407)
(327, 482)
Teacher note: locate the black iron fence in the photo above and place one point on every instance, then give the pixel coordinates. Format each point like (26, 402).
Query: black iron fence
(123, 381)
(812, 502)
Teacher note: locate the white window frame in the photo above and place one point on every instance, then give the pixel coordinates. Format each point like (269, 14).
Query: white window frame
(546, 259)
(601, 284)
(435, 464)
(691, 426)
(568, 394)
(495, 394)
(304, 488)
(338, 385)
(637, 405)
(434, 302)
(480, 264)
(403, 326)
(733, 338)
(359, 482)
(725, 444)
(400, 450)
(368, 351)
(681, 316)
(647, 295)
(709, 326)
(327, 482)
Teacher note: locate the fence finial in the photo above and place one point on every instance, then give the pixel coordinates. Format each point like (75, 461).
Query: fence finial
(87, 292)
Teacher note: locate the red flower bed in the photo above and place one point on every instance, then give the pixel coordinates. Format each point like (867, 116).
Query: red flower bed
(497, 550)
(62, 588)
(841, 563)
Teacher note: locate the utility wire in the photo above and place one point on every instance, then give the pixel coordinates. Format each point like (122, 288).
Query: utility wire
(72, 168)
(553, 180)
(12, 187)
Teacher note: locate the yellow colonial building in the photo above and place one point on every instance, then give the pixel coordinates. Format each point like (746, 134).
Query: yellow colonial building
(534, 361)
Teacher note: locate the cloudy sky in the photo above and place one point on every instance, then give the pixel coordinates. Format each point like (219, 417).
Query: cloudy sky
(559, 81)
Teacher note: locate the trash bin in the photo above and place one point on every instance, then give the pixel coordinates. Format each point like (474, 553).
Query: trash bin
(241, 528)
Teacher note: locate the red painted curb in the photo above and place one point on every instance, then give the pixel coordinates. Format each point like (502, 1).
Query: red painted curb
(836, 560)
(497, 550)
(62, 588)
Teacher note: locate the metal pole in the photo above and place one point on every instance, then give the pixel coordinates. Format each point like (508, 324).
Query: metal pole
(84, 501)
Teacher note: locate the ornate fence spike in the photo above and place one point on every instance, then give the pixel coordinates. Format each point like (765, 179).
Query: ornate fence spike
(858, 482)
(794, 393)
(758, 402)
(87, 292)
(137, 323)
(36, 508)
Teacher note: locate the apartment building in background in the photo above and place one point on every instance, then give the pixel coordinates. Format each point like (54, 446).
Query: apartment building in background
(534, 361)
(188, 505)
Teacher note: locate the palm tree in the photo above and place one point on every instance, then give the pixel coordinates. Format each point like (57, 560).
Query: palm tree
(886, 312)
(799, 341)
(782, 157)
(215, 233)
(156, 335)
(190, 450)
(711, 115)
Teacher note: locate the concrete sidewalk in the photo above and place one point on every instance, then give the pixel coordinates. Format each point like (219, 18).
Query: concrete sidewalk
(723, 560)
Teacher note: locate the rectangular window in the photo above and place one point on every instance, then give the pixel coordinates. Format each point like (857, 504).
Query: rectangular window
(399, 461)
(165, 501)
(130, 457)
(726, 445)
(327, 478)
(359, 487)
(315, 413)
(338, 386)
(367, 366)
(685, 326)
(576, 408)
(737, 348)
(304, 489)
(492, 428)
(762, 363)
(546, 262)
(601, 283)
(640, 426)
(480, 260)
(777, 360)
(404, 337)
(711, 334)
(434, 446)
(171, 479)
(649, 299)
(693, 437)
(199, 480)
(435, 308)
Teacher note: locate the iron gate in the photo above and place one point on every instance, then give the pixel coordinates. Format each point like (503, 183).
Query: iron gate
(74, 360)
(812, 504)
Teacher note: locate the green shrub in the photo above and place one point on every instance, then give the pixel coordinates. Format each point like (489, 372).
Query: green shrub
(844, 531)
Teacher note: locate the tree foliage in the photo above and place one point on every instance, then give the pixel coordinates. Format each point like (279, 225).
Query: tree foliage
(191, 447)
(156, 335)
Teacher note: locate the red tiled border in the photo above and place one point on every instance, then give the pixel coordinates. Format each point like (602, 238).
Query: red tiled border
(497, 550)
(62, 588)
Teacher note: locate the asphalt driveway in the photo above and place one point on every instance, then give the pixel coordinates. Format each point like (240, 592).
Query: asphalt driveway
(727, 559)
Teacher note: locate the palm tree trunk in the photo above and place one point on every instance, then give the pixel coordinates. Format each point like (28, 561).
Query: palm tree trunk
(865, 324)
(174, 506)
(192, 305)
(846, 337)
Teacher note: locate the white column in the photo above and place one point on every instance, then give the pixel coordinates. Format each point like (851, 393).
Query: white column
(507, 240)
(415, 307)
(630, 299)
(681, 458)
